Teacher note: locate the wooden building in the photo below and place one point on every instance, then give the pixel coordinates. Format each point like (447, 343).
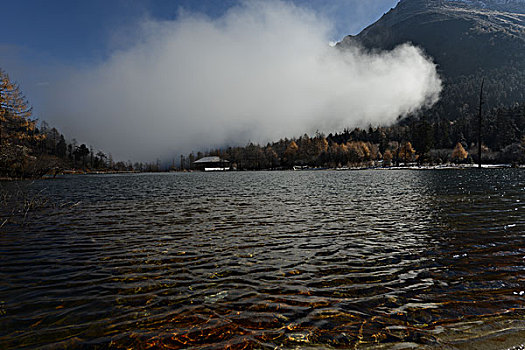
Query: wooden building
(212, 164)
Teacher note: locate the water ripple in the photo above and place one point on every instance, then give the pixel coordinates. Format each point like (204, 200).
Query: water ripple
(267, 259)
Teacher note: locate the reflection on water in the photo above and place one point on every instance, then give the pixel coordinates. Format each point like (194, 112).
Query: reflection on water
(264, 259)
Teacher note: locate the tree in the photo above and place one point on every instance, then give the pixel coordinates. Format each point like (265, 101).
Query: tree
(459, 154)
(18, 133)
(394, 147)
(16, 125)
(422, 138)
(61, 147)
(387, 158)
(406, 152)
(272, 157)
(101, 159)
(191, 159)
(81, 153)
(290, 154)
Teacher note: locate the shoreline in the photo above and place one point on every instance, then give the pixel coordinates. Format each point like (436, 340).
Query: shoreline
(66, 173)
(409, 167)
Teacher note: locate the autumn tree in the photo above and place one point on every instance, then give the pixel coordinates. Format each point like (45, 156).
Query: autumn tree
(393, 147)
(358, 151)
(16, 125)
(18, 134)
(387, 158)
(290, 154)
(406, 152)
(272, 157)
(459, 154)
(339, 154)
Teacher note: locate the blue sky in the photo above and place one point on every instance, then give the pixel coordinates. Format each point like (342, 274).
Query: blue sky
(79, 32)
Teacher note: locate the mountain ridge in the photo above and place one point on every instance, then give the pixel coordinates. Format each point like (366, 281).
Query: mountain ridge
(516, 6)
(469, 40)
(445, 27)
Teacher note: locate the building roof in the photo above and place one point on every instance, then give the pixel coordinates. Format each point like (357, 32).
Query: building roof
(210, 160)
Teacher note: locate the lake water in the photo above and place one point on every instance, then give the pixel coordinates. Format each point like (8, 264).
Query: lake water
(315, 259)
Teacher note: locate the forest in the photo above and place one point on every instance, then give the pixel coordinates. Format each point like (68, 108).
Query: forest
(414, 141)
(29, 149)
(447, 133)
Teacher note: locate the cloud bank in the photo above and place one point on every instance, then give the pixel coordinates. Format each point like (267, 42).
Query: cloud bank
(261, 72)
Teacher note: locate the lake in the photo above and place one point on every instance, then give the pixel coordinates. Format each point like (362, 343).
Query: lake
(386, 259)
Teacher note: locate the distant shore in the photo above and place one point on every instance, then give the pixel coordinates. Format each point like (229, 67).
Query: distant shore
(407, 167)
(69, 172)
(415, 167)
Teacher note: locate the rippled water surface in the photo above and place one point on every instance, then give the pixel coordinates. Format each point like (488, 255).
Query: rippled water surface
(319, 259)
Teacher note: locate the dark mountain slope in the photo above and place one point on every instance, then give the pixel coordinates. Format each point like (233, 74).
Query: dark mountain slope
(469, 40)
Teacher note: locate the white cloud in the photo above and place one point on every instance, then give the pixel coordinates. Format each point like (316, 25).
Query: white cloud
(261, 72)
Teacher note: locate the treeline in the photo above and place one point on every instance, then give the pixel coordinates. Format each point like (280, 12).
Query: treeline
(413, 140)
(66, 156)
(31, 151)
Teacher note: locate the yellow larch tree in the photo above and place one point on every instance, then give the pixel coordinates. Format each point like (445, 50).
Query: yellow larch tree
(406, 152)
(18, 134)
(459, 153)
